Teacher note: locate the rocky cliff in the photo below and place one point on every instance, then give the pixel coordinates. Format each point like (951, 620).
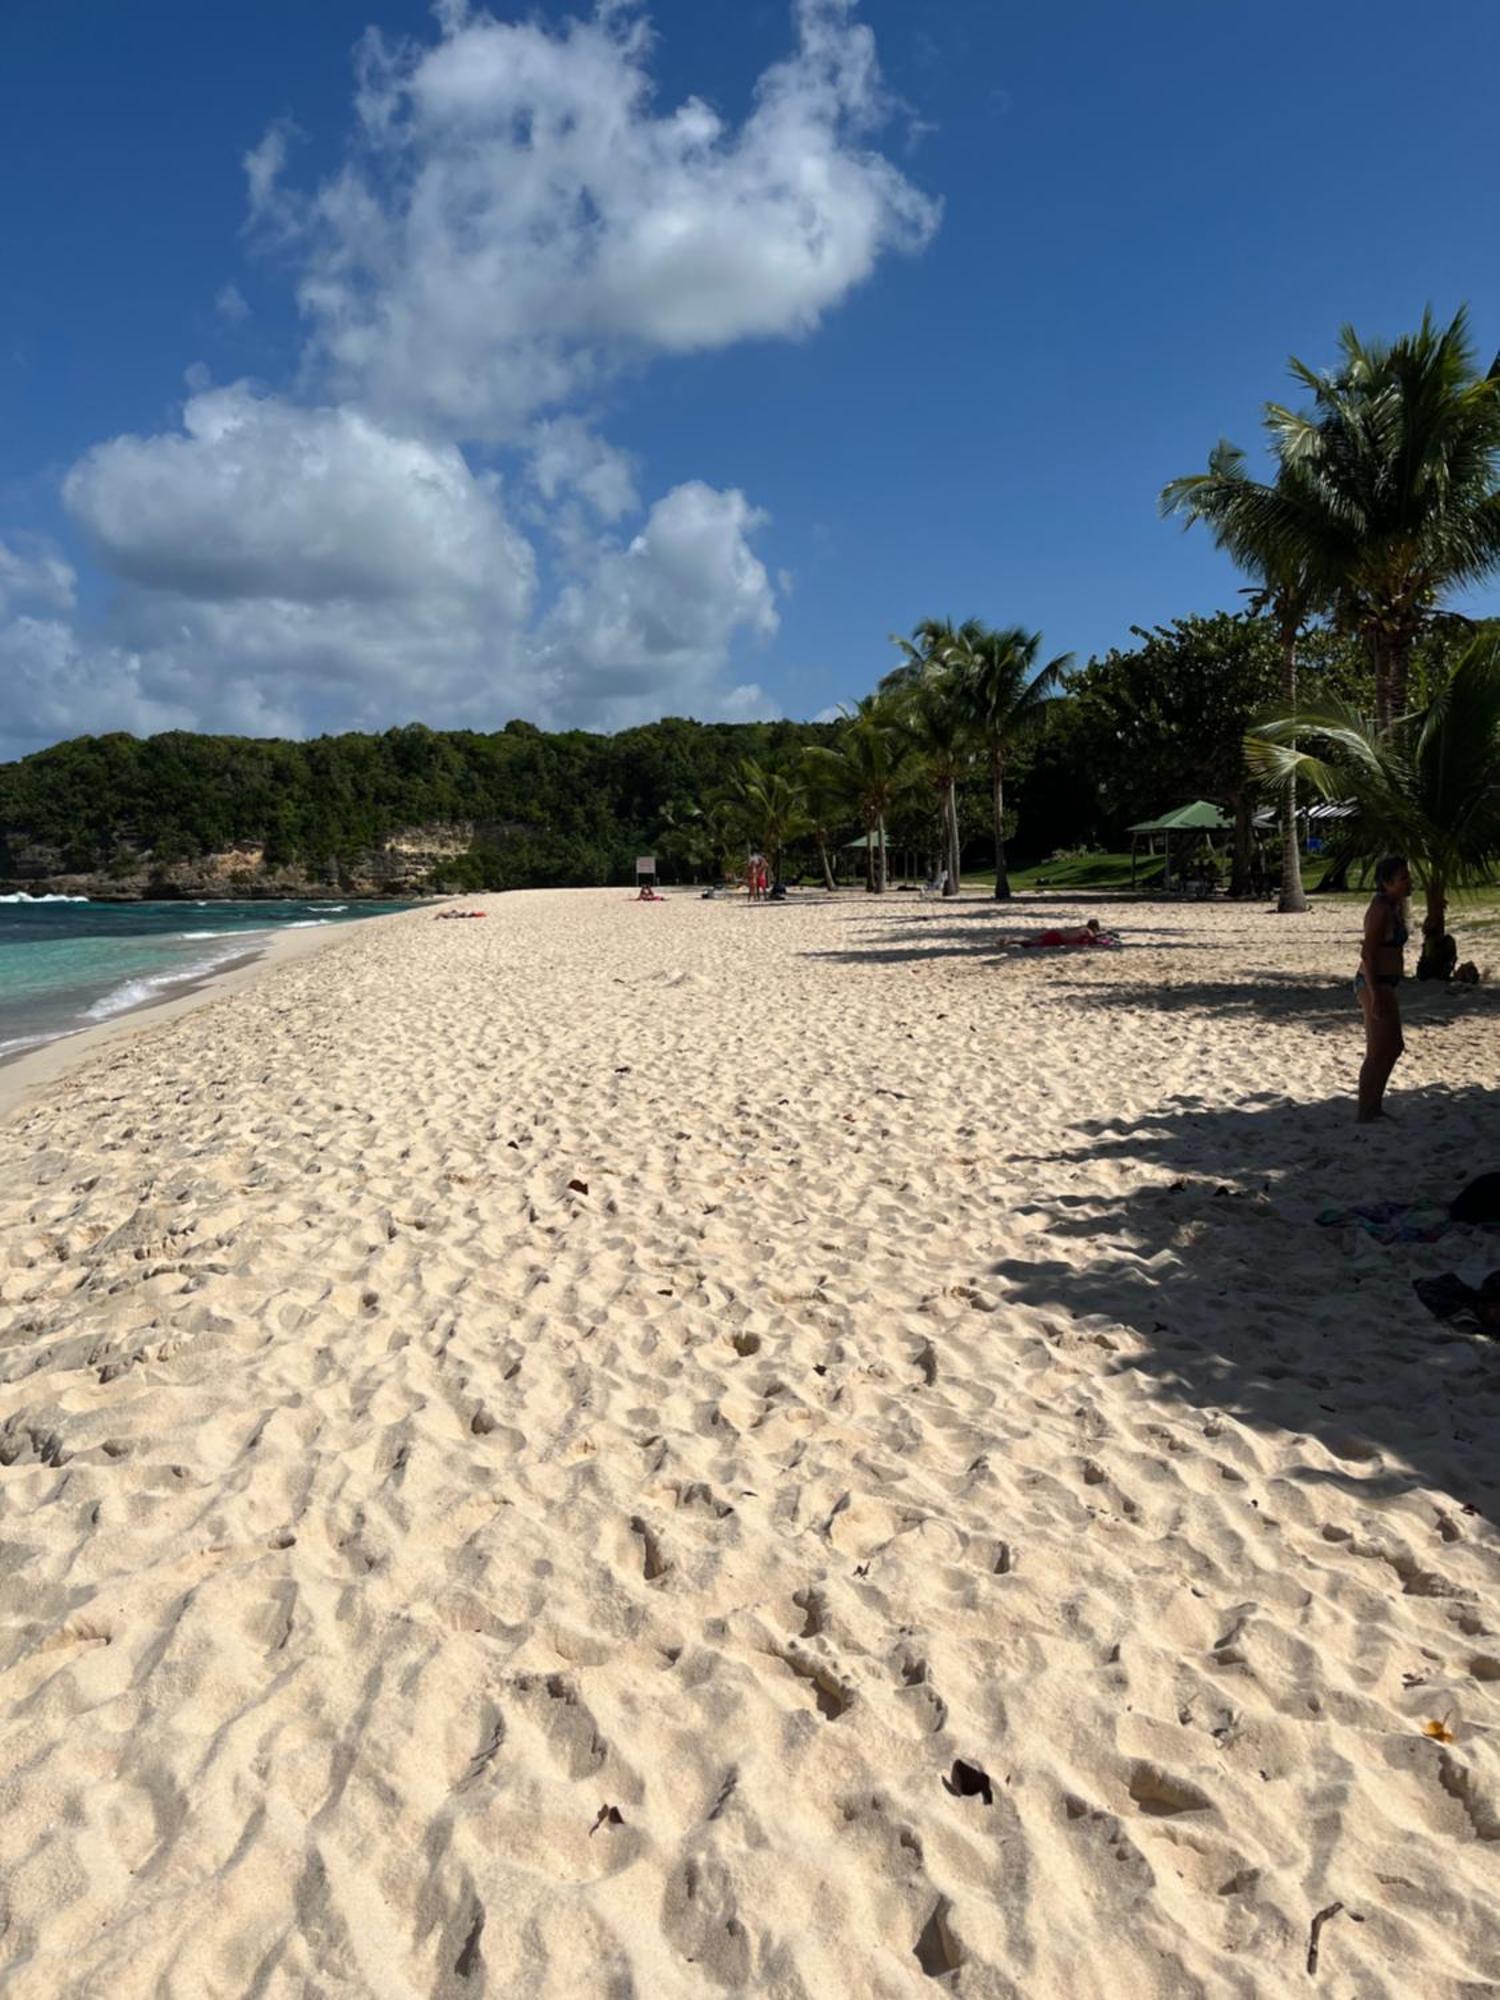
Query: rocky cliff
(398, 866)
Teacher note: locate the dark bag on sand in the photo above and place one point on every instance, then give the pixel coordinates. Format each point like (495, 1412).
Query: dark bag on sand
(1479, 1202)
(1448, 1298)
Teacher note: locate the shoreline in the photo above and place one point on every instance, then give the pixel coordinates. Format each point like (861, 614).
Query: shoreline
(32, 1070)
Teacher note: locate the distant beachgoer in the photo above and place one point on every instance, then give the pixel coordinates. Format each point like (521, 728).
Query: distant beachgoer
(648, 895)
(1381, 965)
(1084, 934)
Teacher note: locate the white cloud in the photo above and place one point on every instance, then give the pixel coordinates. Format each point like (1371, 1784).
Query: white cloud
(264, 166)
(654, 622)
(230, 303)
(568, 458)
(748, 703)
(650, 626)
(33, 573)
(259, 498)
(520, 219)
(56, 687)
(287, 569)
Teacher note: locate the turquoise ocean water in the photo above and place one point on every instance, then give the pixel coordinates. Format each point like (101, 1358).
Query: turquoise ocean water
(65, 966)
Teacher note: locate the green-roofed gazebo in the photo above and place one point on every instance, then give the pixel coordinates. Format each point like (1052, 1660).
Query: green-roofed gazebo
(1201, 816)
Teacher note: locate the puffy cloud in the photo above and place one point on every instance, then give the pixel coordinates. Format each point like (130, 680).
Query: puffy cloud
(652, 624)
(649, 625)
(264, 166)
(748, 703)
(258, 498)
(231, 304)
(567, 458)
(56, 687)
(520, 219)
(289, 569)
(33, 573)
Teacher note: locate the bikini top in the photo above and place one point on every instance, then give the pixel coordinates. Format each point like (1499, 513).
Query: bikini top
(1399, 932)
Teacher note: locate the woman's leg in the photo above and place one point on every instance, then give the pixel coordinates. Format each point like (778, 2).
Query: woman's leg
(1383, 1048)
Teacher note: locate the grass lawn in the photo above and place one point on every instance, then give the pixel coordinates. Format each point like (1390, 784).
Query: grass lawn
(1112, 871)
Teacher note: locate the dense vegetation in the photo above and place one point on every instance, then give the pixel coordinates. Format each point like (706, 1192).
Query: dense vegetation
(566, 808)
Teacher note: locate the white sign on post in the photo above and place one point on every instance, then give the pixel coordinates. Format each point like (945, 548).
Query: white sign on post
(645, 864)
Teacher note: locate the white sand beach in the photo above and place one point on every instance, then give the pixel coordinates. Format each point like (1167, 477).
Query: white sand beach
(686, 1450)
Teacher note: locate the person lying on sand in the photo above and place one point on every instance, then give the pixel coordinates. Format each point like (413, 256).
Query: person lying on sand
(455, 916)
(1070, 940)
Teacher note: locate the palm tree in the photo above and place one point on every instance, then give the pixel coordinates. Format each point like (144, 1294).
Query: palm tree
(869, 769)
(1426, 785)
(772, 807)
(933, 647)
(1003, 695)
(824, 807)
(1398, 457)
(1236, 509)
(925, 693)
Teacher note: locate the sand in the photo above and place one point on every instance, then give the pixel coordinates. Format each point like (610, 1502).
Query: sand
(690, 1450)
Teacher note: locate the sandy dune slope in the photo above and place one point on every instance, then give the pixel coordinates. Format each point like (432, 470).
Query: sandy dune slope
(693, 1450)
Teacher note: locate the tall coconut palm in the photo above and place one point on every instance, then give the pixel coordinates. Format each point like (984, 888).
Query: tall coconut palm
(824, 808)
(1236, 509)
(870, 769)
(772, 806)
(1400, 456)
(1003, 695)
(933, 647)
(932, 714)
(1426, 785)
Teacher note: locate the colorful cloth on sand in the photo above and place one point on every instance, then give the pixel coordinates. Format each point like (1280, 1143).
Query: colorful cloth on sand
(1055, 941)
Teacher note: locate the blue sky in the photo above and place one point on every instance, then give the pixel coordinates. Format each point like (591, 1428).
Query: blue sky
(464, 414)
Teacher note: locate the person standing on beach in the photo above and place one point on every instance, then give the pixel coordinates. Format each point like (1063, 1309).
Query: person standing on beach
(1381, 964)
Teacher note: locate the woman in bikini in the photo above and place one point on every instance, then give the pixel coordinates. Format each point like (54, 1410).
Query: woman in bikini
(1381, 963)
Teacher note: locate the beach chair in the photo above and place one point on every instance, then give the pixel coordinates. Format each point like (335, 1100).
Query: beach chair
(935, 885)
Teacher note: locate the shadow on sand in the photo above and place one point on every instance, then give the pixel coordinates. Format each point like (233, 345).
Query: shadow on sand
(985, 930)
(1245, 1305)
(1308, 1000)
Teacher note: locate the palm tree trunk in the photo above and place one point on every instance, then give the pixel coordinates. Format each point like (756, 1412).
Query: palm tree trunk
(870, 858)
(880, 865)
(1243, 837)
(1383, 667)
(828, 882)
(1439, 953)
(1398, 674)
(1293, 896)
(950, 810)
(1002, 875)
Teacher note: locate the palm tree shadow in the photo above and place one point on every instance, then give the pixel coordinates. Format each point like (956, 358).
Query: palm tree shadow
(1310, 1000)
(1201, 1238)
(987, 930)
